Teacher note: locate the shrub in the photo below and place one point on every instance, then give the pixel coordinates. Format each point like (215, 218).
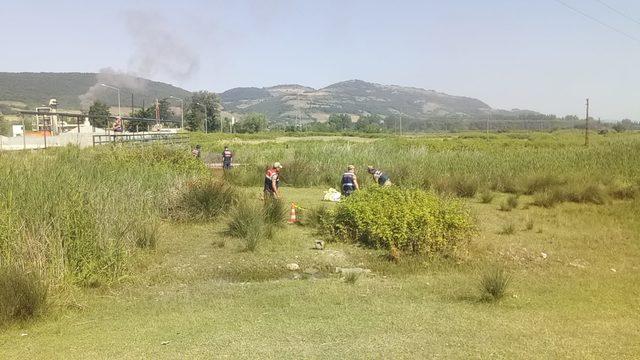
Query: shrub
(494, 283)
(539, 183)
(548, 199)
(458, 185)
(275, 211)
(465, 187)
(320, 217)
(413, 221)
(594, 194)
(486, 197)
(202, 199)
(504, 184)
(22, 294)
(591, 193)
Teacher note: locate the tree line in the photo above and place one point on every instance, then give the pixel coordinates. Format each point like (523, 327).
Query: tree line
(202, 112)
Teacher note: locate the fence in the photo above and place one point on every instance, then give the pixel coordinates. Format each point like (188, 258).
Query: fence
(140, 138)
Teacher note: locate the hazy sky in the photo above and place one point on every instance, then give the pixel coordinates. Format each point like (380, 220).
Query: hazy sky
(533, 54)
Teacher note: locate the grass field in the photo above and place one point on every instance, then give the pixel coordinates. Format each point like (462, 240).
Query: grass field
(199, 294)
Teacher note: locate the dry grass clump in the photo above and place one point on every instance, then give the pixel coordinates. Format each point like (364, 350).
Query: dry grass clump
(486, 197)
(494, 283)
(22, 294)
(510, 203)
(201, 199)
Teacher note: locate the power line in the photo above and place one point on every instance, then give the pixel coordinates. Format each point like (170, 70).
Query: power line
(598, 21)
(618, 12)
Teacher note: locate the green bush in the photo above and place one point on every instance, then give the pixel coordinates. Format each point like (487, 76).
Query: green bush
(410, 220)
(22, 294)
(202, 199)
(321, 218)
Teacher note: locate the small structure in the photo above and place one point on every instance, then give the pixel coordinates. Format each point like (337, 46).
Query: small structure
(46, 120)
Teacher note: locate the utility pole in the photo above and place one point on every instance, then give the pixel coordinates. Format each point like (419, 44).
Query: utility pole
(586, 127)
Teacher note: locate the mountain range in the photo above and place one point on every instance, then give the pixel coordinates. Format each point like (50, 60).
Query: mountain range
(281, 103)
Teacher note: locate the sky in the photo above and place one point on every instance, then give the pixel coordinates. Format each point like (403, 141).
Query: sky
(527, 54)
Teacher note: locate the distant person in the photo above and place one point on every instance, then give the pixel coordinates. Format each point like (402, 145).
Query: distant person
(272, 181)
(196, 151)
(117, 125)
(379, 177)
(349, 181)
(227, 157)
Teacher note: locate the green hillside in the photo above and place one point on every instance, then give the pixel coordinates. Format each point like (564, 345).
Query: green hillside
(35, 89)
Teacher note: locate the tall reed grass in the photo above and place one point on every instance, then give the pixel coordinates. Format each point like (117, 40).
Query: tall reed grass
(77, 216)
(457, 164)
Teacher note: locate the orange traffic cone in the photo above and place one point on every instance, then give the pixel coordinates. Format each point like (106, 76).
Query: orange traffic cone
(293, 218)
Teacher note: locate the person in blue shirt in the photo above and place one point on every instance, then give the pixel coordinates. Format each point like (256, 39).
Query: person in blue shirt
(349, 181)
(380, 178)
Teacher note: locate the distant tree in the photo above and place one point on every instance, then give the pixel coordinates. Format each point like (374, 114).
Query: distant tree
(195, 113)
(340, 122)
(370, 123)
(165, 109)
(99, 114)
(253, 123)
(137, 125)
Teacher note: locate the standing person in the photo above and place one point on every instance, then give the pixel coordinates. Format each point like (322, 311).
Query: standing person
(117, 125)
(349, 181)
(196, 151)
(272, 181)
(379, 177)
(227, 156)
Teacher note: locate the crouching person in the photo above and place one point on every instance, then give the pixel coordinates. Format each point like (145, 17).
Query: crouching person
(349, 181)
(272, 181)
(379, 177)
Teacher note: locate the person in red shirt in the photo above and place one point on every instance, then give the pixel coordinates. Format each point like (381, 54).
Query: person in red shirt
(227, 156)
(272, 181)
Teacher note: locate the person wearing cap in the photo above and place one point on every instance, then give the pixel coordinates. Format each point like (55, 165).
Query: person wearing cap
(272, 181)
(227, 156)
(379, 177)
(349, 181)
(196, 152)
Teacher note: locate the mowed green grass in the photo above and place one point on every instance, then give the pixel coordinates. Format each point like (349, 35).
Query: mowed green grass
(200, 295)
